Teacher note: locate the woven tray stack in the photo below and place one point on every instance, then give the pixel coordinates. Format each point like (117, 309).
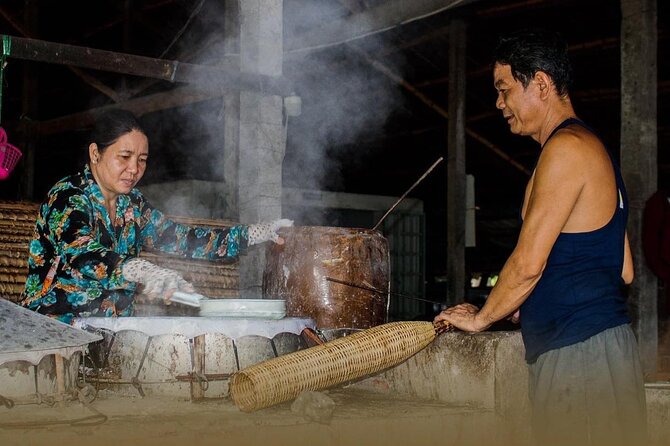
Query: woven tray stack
(17, 222)
(213, 279)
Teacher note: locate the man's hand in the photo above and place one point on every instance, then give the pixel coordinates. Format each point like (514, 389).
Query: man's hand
(159, 282)
(462, 316)
(515, 317)
(264, 232)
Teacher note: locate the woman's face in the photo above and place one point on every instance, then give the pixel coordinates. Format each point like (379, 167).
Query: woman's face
(118, 169)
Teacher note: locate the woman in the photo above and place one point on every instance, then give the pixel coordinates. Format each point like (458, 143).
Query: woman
(83, 258)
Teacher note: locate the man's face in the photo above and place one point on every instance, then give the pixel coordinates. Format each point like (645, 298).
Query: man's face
(515, 101)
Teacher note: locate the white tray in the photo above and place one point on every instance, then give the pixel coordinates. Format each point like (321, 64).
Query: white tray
(190, 299)
(244, 308)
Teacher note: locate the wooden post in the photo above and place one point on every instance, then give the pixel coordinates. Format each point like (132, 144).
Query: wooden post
(639, 148)
(456, 165)
(60, 378)
(197, 390)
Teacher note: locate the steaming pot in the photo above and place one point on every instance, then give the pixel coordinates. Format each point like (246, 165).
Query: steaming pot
(299, 272)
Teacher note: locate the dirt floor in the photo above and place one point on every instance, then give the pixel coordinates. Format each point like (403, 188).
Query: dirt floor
(358, 418)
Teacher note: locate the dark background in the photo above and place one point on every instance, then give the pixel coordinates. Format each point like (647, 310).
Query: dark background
(365, 133)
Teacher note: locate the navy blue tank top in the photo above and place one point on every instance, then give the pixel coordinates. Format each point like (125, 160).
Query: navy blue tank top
(581, 291)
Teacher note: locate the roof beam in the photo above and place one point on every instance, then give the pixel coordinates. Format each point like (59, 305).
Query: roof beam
(168, 70)
(95, 83)
(146, 104)
(436, 107)
(385, 16)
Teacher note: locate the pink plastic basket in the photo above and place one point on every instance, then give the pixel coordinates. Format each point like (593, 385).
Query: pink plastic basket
(9, 156)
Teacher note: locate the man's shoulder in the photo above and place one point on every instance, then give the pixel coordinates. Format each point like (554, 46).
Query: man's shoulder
(574, 143)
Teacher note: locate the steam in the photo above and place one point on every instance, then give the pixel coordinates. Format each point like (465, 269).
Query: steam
(344, 99)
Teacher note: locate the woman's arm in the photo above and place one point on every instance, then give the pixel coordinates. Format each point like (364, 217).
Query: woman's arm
(160, 233)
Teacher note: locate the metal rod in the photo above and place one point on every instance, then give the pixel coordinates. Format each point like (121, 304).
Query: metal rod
(430, 169)
(375, 290)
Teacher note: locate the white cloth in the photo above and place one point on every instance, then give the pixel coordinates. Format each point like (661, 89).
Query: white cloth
(191, 327)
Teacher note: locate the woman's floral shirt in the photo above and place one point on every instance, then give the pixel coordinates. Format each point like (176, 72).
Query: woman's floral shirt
(76, 254)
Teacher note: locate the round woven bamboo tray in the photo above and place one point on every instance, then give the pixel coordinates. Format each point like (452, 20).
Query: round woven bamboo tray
(210, 223)
(15, 259)
(194, 266)
(351, 357)
(19, 206)
(12, 278)
(210, 278)
(13, 270)
(7, 237)
(11, 288)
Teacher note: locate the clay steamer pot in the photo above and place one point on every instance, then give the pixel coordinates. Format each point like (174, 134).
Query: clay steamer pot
(301, 272)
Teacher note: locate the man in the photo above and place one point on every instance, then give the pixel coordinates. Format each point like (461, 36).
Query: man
(564, 279)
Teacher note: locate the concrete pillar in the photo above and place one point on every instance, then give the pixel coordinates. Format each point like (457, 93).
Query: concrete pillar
(228, 203)
(639, 148)
(262, 141)
(456, 180)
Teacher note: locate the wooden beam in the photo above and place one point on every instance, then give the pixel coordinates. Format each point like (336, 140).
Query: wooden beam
(168, 70)
(140, 106)
(433, 105)
(385, 16)
(86, 78)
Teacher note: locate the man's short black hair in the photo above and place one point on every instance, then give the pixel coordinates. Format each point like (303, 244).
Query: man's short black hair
(531, 50)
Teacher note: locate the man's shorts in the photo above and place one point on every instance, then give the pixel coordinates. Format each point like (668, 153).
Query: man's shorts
(590, 393)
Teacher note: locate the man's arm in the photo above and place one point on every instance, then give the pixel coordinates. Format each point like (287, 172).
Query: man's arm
(556, 186)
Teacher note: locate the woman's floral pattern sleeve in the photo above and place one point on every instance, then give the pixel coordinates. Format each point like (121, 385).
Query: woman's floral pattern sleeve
(160, 233)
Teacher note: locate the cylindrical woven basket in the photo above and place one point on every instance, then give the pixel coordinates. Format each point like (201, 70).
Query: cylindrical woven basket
(364, 353)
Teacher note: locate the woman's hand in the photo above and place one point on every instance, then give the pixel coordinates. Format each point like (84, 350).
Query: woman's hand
(264, 232)
(159, 282)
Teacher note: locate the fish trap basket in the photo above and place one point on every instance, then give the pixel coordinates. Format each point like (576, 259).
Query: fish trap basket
(364, 353)
(9, 156)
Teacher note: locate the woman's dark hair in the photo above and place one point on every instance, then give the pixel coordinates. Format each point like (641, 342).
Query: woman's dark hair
(531, 50)
(113, 124)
